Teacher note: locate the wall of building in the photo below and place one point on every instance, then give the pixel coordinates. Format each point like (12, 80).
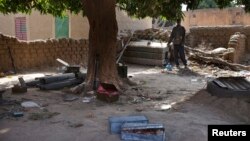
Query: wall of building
(215, 17)
(43, 26)
(40, 54)
(40, 26)
(79, 27)
(7, 24)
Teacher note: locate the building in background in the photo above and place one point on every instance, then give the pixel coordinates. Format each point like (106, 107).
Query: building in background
(215, 17)
(38, 26)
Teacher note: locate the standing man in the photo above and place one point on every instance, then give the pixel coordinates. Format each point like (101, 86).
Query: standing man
(178, 38)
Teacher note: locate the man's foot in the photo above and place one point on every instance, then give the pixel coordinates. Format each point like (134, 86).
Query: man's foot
(177, 66)
(186, 67)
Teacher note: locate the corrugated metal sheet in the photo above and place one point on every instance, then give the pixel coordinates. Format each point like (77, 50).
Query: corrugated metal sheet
(233, 83)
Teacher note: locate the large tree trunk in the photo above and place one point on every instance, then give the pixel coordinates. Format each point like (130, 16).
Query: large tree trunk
(102, 41)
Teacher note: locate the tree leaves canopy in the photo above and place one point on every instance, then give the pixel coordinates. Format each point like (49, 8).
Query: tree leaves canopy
(169, 9)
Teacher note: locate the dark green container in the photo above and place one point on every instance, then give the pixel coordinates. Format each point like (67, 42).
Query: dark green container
(122, 71)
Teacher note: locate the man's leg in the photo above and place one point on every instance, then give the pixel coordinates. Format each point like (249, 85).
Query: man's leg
(182, 55)
(176, 50)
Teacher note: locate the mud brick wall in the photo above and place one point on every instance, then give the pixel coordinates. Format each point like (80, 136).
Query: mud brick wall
(246, 32)
(217, 36)
(41, 54)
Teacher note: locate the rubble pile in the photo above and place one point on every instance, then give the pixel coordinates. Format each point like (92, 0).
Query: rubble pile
(230, 56)
(147, 34)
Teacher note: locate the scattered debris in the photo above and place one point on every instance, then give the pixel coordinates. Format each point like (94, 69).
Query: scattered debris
(2, 74)
(17, 114)
(91, 93)
(165, 107)
(217, 57)
(8, 102)
(29, 104)
(90, 115)
(78, 89)
(75, 125)
(70, 97)
(69, 68)
(139, 109)
(18, 89)
(22, 88)
(194, 80)
(107, 93)
(87, 99)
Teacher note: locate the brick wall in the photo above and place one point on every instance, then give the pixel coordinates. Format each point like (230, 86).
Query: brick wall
(217, 36)
(41, 54)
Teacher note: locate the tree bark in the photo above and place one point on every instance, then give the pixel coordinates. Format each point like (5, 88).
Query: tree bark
(102, 41)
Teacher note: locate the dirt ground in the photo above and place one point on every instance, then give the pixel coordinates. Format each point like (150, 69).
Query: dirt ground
(177, 99)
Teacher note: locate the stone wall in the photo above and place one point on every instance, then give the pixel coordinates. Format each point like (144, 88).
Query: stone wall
(217, 36)
(40, 54)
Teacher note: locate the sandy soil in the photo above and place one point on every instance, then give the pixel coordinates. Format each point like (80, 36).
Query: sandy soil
(177, 99)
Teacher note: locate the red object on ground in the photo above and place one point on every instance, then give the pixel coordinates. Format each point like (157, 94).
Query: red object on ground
(107, 92)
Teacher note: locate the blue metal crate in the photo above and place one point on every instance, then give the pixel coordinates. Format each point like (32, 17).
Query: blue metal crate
(115, 123)
(142, 132)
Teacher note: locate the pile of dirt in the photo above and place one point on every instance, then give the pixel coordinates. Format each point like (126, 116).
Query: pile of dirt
(236, 107)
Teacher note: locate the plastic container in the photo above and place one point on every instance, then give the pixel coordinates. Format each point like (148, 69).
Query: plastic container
(143, 132)
(169, 67)
(117, 122)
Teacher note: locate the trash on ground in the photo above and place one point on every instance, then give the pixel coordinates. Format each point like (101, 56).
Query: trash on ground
(2, 74)
(18, 89)
(107, 93)
(90, 92)
(29, 104)
(17, 114)
(165, 107)
(90, 115)
(194, 80)
(87, 99)
(75, 125)
(69, 97)
(139, 109)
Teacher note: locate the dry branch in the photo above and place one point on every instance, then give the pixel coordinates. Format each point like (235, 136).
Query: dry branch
(220, 61)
